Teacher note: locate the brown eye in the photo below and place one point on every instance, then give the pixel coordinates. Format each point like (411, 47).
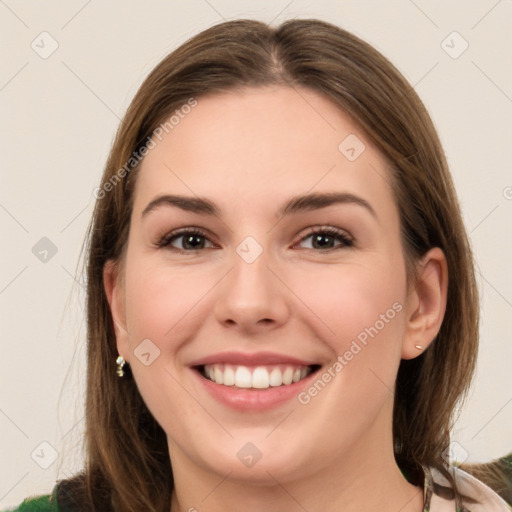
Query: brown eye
(324, 237)
(192, 240)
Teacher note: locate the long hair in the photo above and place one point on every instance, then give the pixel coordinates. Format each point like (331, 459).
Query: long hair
(127, 461)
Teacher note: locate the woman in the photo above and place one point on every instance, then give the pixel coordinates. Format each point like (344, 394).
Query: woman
(278, 266)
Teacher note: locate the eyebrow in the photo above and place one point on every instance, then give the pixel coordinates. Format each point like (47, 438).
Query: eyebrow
(297, 204)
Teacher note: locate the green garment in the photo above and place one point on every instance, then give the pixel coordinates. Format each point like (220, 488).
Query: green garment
(45, 503)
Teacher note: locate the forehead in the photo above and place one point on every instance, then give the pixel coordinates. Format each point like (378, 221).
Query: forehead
(260, 146)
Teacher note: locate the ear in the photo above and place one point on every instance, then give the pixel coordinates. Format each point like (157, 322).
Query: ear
(426, 304)
(114, 290)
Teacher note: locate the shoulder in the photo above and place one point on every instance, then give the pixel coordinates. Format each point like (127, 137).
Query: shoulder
(65, 497)
(481, 497)
(44, 503)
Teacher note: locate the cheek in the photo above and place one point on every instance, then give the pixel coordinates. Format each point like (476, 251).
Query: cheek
(360, 317)
(348, 300)
(162, 306)
(159, 299)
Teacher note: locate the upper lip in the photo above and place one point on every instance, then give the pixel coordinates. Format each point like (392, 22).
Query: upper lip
(254, 359)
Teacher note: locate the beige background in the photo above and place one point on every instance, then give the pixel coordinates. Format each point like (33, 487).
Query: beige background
(58, 118)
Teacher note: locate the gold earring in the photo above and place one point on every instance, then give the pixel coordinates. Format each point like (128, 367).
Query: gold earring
(419, 347)
(120, 366)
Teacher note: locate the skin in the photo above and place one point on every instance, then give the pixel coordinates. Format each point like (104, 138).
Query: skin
(249, 152)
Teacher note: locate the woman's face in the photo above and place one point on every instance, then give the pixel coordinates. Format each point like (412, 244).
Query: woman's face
(256, 299)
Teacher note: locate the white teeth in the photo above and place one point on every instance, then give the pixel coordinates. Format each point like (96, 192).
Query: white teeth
(260, 377)
(229, 376)
(219, 376)
(288, 376)
(242, 378)
(276, 377)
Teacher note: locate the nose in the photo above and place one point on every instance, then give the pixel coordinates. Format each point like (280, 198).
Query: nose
(252, 297)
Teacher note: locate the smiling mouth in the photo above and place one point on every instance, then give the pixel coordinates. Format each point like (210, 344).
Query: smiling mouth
(255, 377)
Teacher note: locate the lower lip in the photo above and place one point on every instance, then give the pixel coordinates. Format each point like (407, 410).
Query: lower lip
(254, 399)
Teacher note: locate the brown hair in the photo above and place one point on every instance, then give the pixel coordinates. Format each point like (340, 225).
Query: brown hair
(127, 460)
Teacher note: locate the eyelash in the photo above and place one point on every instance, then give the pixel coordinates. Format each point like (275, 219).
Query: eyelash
(166, 240)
